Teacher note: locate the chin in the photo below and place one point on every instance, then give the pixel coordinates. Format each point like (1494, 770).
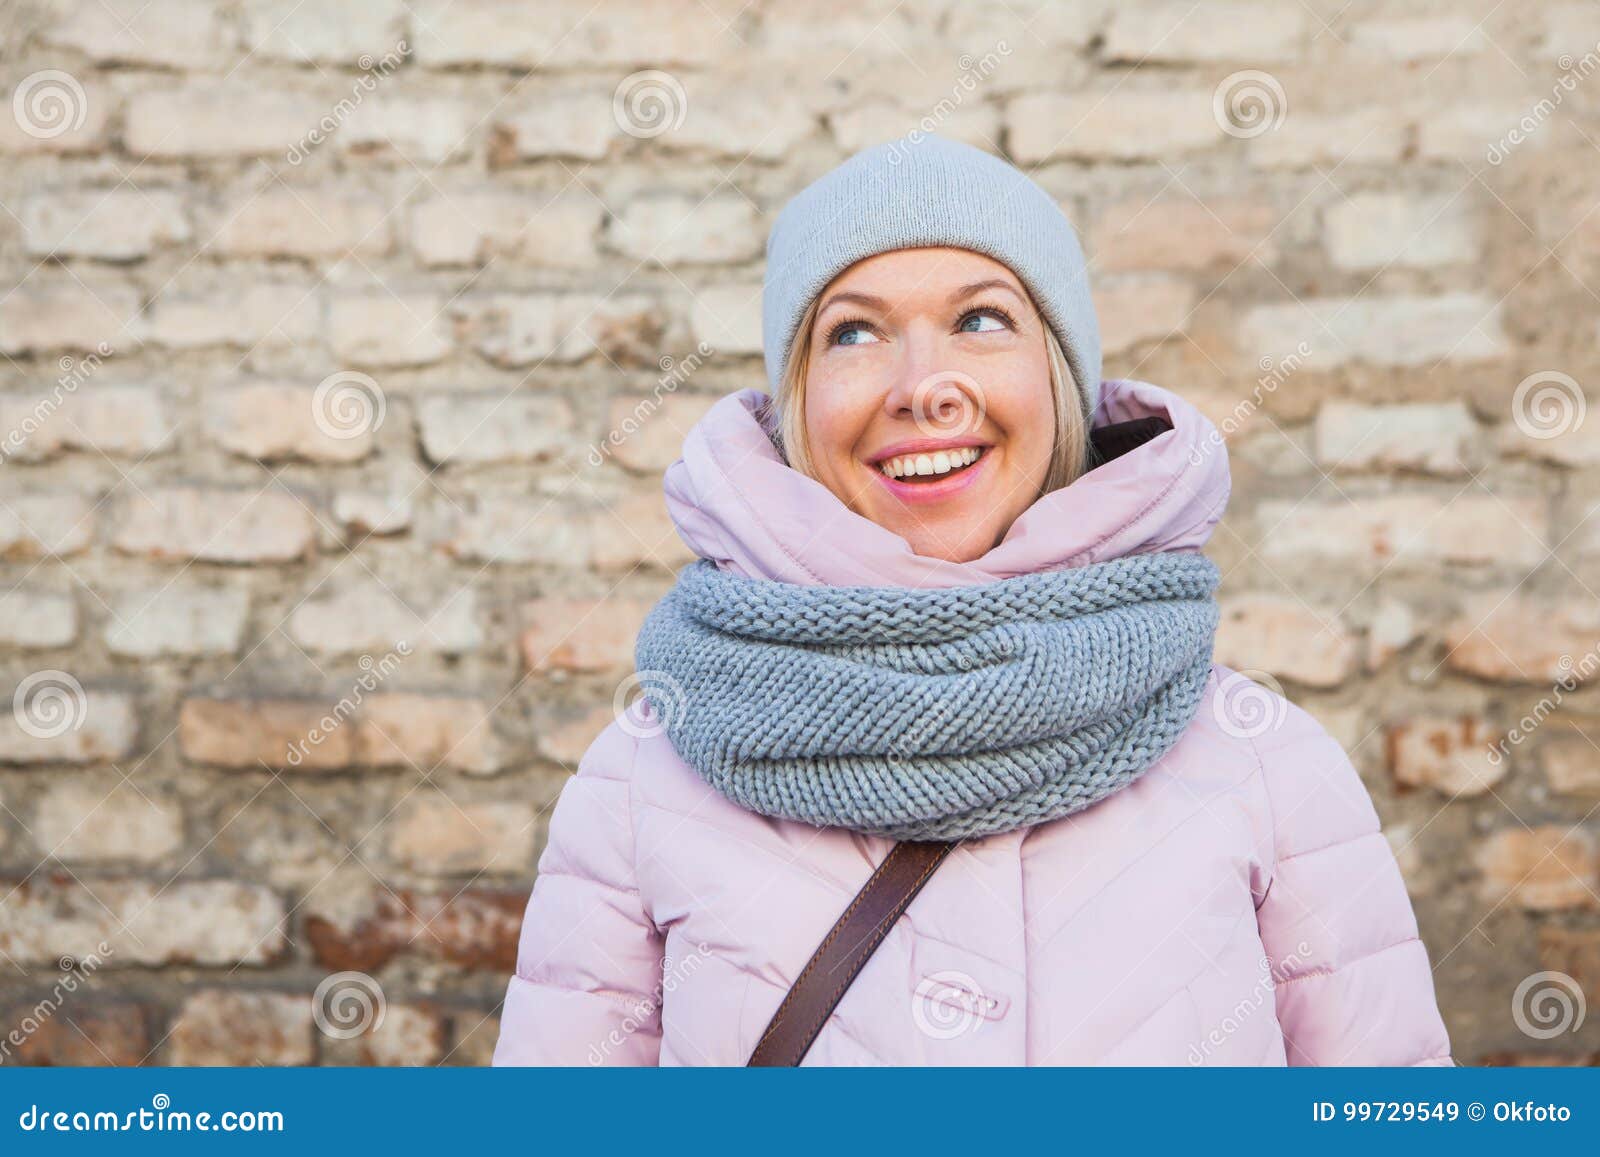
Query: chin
(956, 544)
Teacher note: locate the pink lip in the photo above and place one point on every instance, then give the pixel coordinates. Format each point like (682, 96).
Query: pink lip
(924, 446)
(920, 492)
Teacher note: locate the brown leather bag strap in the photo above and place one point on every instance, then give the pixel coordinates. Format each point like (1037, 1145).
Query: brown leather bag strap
(846, 949)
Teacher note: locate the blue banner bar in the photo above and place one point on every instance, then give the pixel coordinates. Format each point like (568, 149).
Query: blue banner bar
(798, 1111)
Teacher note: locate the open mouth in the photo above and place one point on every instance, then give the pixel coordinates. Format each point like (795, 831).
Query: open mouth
(933, 467)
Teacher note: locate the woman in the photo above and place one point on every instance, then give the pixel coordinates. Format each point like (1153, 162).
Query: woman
(937, 608)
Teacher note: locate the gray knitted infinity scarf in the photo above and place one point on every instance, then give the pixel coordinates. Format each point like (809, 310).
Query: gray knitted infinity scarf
(930, 714)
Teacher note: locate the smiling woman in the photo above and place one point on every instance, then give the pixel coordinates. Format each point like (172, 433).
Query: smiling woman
(928, 622)
(949, 341)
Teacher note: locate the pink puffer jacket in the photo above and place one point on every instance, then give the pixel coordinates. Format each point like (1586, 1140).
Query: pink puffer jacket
(1236, 905)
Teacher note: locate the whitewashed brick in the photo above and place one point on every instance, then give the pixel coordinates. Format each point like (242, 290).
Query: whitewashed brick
(728, 317)
(421, 130)
(145, 922)
(720, 229)
(1119, 126)
(364, 512)
(40, 525)
(271, 421)
(1140, 307)
(1422, 38)
(177, 619)
(528, 329)
(161, 33)
(1396, 330)
(1518, 638)
(234, 526)
(106, 819)
(1176, 31)
(1440, 438)
(1285, 637)
(39, 619)
(1373, 532)
(109, 225)
(1371, 230)
(366, 616)
(1139, 234)
(209, 119)
(59, 720)
(1307, 139)
(381, 329)
(473, 228)
(556, 122)
(340, 34)
(118, 421)
(482, 428)
(511, 531)
(266, 315)
(305, 223)
(44, 314)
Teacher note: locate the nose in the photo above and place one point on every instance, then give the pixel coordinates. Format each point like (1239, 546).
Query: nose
(928, 389)
(917, 361)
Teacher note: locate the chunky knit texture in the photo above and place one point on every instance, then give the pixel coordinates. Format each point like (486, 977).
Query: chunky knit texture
(921, 190)
(931, 714)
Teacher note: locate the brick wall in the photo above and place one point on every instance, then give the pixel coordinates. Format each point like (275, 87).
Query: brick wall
(343, 347)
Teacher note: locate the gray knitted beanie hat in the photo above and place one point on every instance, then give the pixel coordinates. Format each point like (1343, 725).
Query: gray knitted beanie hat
(922, 191)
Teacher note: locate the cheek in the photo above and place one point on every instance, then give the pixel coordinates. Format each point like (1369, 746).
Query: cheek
(836, 416)
(1026, 410)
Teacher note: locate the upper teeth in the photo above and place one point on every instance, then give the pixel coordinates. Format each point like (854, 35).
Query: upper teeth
(940, 463)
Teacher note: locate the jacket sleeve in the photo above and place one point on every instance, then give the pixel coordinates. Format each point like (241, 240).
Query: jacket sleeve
(586, 990)
(1352, 981)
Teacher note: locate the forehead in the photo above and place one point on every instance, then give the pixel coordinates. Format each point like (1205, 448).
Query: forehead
(931, 269)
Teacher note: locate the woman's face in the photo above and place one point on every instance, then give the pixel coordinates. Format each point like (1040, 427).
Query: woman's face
(927, 403)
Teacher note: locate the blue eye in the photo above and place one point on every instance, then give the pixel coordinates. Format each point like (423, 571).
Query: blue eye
(981, 321)
(851, 333)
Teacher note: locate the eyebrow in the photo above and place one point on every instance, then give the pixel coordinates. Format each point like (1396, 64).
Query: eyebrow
(962, 294)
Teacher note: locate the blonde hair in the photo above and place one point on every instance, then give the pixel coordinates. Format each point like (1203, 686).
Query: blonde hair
(1070, 457)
